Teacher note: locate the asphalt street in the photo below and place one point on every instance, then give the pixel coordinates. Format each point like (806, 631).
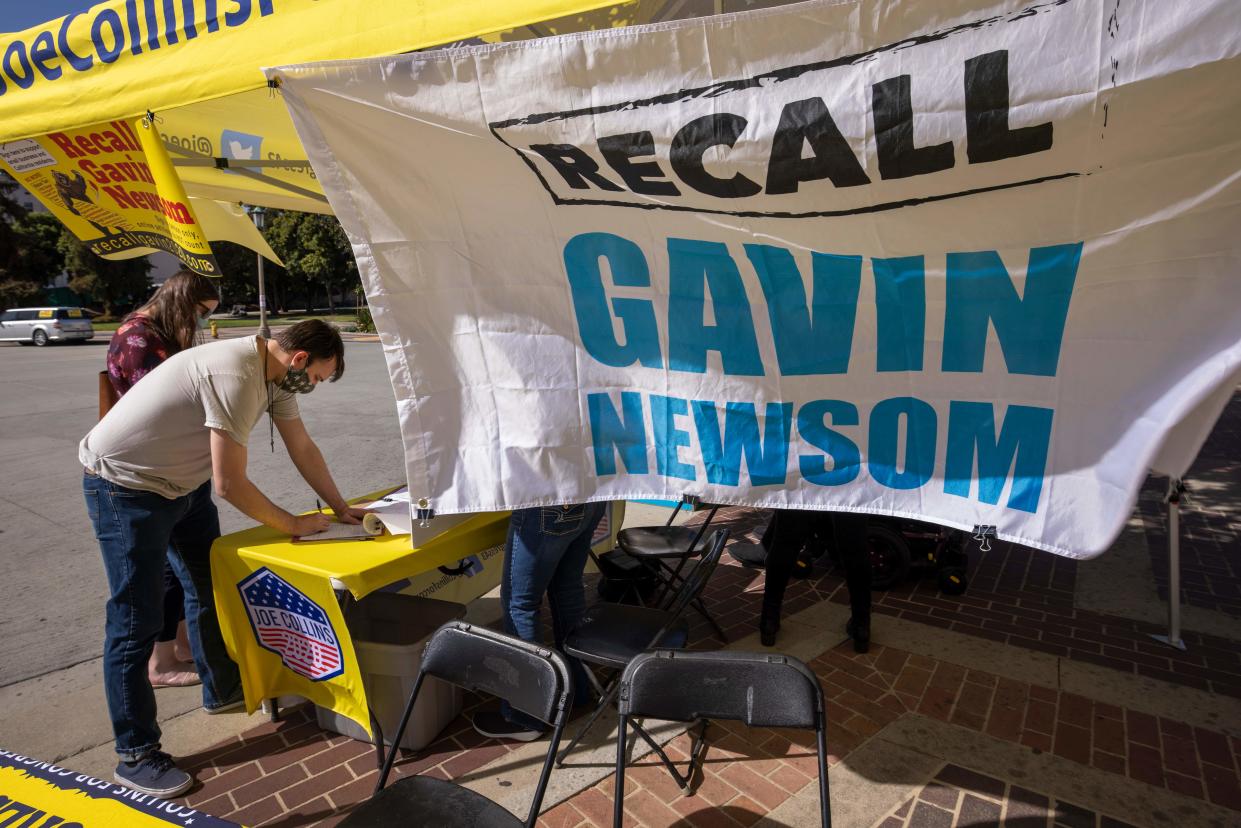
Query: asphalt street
(51, 577)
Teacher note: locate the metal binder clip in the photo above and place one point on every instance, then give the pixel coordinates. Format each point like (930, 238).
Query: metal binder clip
(983, 534)
(423, 513)
(1177, 492)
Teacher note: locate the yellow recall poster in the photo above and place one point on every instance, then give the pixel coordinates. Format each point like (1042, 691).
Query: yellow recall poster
(114, 187)
(41, 795)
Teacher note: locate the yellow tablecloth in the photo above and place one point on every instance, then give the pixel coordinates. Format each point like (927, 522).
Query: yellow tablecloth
(279, 613)
(282, 622)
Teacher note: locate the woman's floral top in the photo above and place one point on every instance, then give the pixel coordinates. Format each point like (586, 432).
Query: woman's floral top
(134, 352)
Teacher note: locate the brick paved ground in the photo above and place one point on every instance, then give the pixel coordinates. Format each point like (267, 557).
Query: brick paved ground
(292, 774)
(957, 794)
(752, 772)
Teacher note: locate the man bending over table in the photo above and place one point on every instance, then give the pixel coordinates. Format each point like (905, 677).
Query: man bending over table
(148, 468)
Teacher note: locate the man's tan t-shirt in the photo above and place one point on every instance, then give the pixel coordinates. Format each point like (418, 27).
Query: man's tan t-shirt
(157, 437)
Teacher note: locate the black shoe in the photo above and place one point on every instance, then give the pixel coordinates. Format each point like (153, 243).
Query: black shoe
(860, 633)
(767, 629)
(493, 725)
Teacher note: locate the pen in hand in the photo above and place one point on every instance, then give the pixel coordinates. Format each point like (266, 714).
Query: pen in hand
(318, 506)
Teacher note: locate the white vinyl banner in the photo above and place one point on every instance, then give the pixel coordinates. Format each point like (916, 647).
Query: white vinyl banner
(972, 261)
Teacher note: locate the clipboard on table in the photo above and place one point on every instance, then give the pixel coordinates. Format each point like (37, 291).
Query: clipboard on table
(339, 531)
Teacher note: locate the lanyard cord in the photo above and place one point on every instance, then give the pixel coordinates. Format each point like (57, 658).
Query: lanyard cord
(271, 423)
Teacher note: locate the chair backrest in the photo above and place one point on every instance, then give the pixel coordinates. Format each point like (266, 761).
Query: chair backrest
(697, 580)
(761, 690)
(533, 679)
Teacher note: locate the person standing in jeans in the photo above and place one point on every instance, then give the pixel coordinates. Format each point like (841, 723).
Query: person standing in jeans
(545, 554)
(791, 529)
(150, 466)
(171, 321)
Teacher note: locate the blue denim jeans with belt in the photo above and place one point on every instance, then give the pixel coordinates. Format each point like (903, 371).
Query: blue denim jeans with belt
(137, 531)
(545, 554)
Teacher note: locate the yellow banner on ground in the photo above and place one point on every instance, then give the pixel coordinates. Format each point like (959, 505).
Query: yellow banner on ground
(122, 58)
(114, 187)
(37, 793)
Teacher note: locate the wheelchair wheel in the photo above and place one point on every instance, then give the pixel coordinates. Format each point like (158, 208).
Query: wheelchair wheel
(889, 557)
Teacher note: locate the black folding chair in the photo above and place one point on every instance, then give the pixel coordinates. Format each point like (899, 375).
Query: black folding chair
(611, 635)
(533, 679)
(655, 546)
(757, 689)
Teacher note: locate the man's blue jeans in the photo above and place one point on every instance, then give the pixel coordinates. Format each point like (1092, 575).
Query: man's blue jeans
(545, 554)
(137, 531)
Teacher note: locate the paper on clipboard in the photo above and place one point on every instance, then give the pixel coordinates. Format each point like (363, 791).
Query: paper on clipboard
(335, 530)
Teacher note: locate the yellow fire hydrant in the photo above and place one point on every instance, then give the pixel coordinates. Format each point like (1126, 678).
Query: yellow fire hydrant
(215, 330)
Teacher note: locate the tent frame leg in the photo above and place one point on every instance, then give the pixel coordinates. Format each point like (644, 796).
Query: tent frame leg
(1176, 489)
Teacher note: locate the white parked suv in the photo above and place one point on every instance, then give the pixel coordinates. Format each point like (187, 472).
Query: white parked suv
(44, 325)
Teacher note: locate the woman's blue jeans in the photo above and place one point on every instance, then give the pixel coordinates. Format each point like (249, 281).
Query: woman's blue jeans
(546, 554)
(137, 531)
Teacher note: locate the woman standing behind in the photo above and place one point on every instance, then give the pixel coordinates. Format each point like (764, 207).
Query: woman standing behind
(170, 322)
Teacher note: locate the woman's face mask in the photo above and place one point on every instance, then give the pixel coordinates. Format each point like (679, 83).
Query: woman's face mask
(204, 313)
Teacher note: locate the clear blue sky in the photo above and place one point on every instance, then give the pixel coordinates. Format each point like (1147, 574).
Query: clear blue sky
(19, 15)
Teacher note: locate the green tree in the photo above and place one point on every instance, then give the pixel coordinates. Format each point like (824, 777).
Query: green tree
(240, 280)
(38, 244)
(112, 283)
(16, 286)
(315, 250)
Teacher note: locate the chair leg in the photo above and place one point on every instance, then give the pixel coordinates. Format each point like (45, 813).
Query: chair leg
(668, 583)
(824, 799)
(702, 610)
(697, 745)
(686, 780)
(618, 808)
(605, 698)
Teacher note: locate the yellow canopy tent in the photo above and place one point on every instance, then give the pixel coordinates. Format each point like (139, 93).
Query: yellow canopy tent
(194, 66)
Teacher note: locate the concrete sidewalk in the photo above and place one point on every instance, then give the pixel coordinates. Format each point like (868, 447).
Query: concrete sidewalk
(1037, 698)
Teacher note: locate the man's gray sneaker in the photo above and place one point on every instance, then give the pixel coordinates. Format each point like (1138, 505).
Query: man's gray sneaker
(155, 774)
(227, 707)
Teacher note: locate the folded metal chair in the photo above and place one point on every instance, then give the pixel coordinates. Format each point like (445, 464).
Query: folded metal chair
(531, 678)
(611, 635)
(658, 546)
(758, 689)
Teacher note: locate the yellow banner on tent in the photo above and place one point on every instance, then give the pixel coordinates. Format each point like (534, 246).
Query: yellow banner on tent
(114, 187)
(122, 58)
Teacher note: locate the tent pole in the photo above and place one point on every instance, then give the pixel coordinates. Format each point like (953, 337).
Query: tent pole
(264, 331)
(259, 215)
(1176, 488)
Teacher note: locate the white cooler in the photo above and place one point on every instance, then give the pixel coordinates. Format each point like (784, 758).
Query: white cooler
(389, 631)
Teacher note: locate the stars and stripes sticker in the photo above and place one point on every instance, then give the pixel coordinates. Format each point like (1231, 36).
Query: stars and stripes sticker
(292, 626)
